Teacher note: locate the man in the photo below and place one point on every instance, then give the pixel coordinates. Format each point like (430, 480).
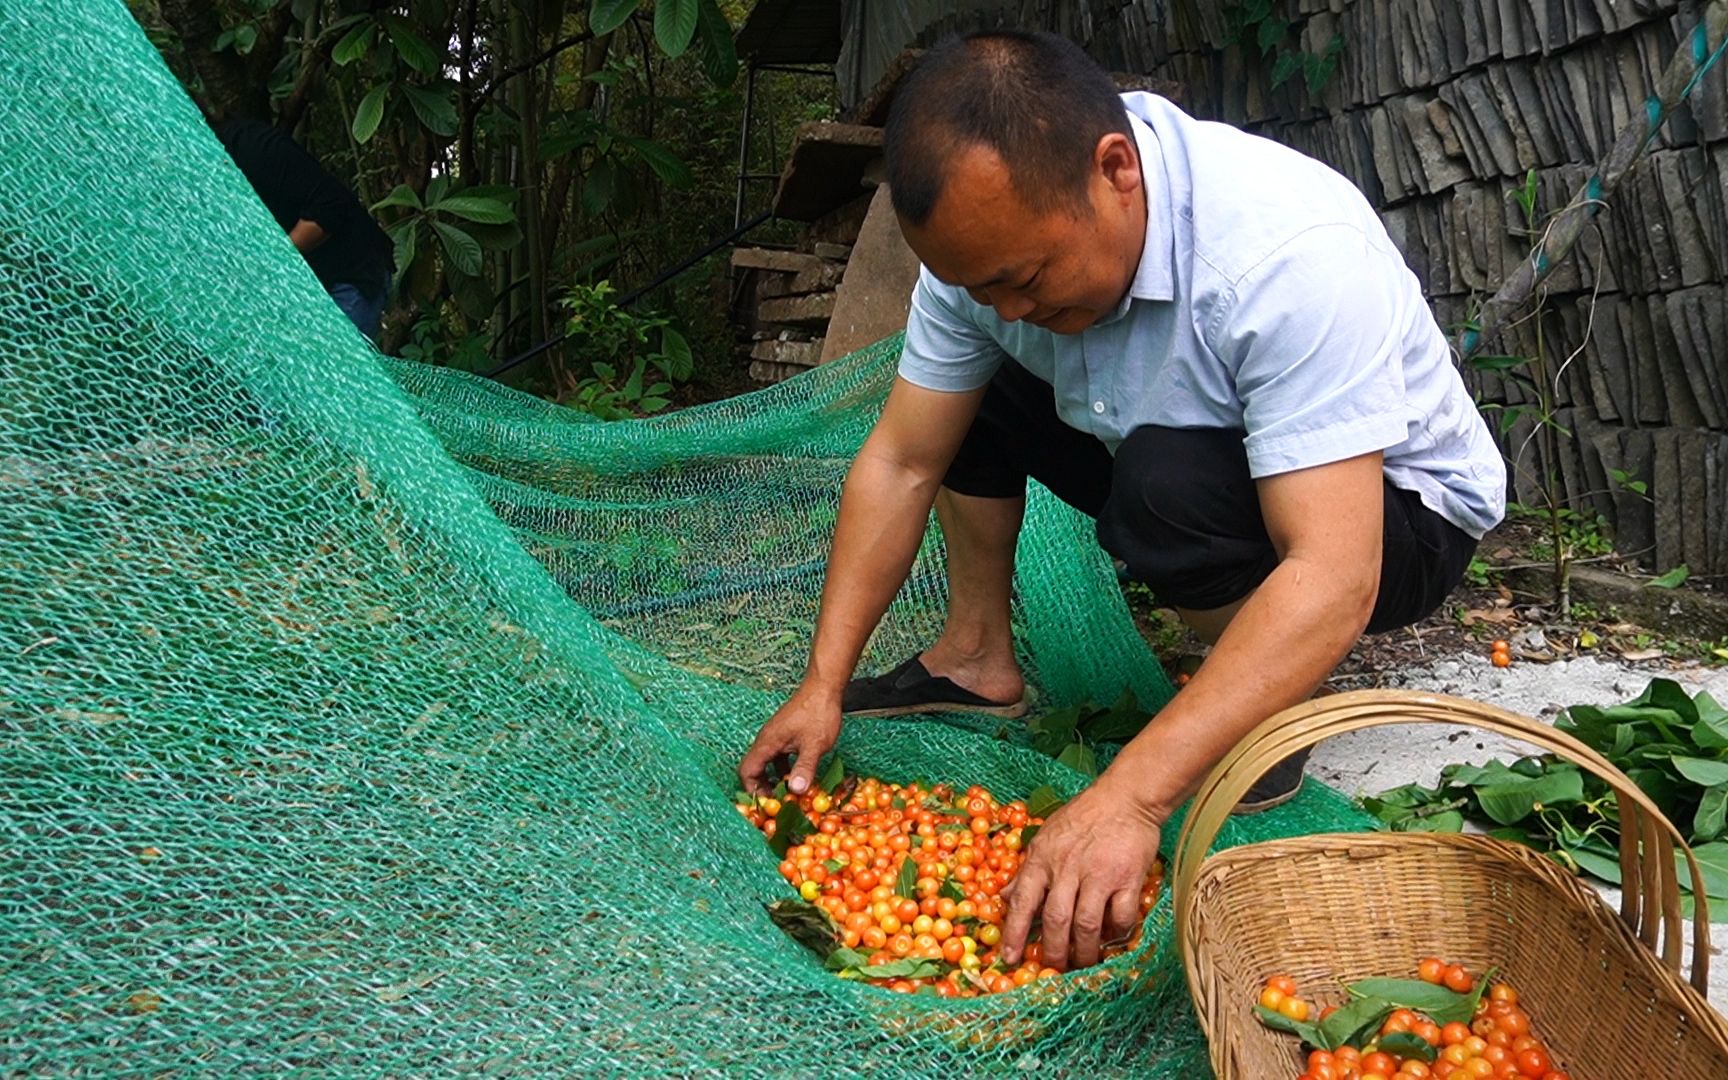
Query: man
(1203, 339)
(323, 219)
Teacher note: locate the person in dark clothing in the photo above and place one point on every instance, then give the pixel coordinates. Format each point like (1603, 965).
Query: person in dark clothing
(326, 223)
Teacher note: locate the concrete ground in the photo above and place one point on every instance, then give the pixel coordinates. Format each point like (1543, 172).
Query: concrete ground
(1368, 762)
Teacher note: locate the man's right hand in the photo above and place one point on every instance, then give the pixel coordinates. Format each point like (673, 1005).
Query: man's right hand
(803, 729)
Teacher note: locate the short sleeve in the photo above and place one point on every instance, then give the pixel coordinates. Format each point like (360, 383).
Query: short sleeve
(945, 348)
(1315, 337)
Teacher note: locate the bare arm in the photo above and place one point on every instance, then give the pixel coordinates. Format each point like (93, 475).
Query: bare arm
(306, 235)
(1325, 524)
(1086, 870)
(884, 508)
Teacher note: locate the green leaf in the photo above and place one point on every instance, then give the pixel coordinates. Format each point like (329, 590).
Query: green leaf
(1439, 1004)
(907, 968)
(719, 53)
(400, 195)
(679, 363)
(369, 113)
(1665, 694)
(1043, 802)
(1119, 723)
(1712, 815)
(495, 237)
(1713, 863)
(434, 109)
(807, 924)
(1662, 788)
(406, 246)
(664, 162)
(353, 45)
(1404, 1044)
(843, 958)
(1346, 1026)
(1711, 730)
(608, 15)
(598, 188)
(1673, 579)
(462, 250)
(1702, 771)
(1447, 821)
(1498, 363)
(674, 25)
(906, 881)
(406, 242)
(1407, 797)
(1597, 865)
(1287, 64)
(790, 828)
(1271, 32)
(478, 209)
(833, 776)
(1277, 1021)
(1509, 803)
(953, 890)
(1027, 832)
(410, 46)
(1080, 758)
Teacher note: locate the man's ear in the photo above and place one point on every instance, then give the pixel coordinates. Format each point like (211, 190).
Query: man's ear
(1118, 160)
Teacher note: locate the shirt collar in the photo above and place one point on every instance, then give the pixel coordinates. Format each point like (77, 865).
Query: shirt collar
(1153, 278)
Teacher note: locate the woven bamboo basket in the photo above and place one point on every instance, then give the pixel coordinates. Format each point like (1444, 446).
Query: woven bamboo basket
(1604, 991)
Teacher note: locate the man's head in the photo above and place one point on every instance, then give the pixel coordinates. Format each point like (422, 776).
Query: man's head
(1014, 174)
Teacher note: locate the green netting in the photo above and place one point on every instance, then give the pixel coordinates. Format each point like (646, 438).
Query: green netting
(368, 718)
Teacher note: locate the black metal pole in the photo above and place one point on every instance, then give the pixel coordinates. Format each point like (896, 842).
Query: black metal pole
(744, 143)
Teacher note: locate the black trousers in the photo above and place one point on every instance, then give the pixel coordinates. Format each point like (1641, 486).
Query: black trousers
(1178, 507)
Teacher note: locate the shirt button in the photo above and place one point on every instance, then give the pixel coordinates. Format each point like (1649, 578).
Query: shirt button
(1098, 407)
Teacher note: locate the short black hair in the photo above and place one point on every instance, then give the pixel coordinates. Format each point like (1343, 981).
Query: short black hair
(1034, 98)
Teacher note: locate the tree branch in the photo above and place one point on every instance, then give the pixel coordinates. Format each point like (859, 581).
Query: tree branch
(509, 73)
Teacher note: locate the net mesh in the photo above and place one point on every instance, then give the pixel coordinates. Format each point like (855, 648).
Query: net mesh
(369, 718)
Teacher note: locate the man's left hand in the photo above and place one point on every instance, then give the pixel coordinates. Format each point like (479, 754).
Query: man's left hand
(1085, 870)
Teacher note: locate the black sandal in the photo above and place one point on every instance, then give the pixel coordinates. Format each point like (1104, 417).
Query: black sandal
(1281, 783)
(910, 688)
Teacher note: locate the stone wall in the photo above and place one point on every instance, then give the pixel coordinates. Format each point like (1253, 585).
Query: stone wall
(1436, 110)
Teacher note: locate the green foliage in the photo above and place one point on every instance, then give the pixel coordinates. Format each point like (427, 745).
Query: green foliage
(1070, 735)
(1256, 24)
(441, 238)
(431, 341)
(1674, 747)
(1371, 1002)
(1480, 572)
(1571, 532)
(633, 360)
(425, 102)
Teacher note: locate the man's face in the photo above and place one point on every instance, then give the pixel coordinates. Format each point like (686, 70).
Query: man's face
(1060, 269)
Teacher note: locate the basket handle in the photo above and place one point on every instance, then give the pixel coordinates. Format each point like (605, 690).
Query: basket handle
(1650, 887)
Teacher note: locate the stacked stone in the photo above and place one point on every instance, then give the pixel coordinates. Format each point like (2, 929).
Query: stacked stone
(1438, 110)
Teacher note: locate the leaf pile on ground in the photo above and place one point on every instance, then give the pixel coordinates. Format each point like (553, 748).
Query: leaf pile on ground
(1674, 746)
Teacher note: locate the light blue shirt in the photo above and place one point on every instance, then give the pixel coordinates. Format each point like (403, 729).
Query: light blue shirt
(1268, 298)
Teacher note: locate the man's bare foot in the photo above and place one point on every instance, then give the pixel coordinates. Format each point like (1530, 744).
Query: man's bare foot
(993, 675)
